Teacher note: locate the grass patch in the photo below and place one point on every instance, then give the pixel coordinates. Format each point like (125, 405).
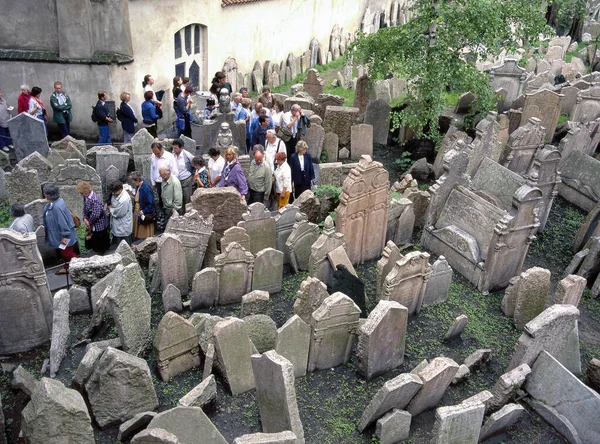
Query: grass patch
(563, 118)
(451, 98)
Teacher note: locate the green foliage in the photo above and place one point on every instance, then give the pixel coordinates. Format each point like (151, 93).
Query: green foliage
(567, 10)
(334, 64)
(562, 119)
(429, 52)
(324, 156)
(328, 191)
(4, 215)
(347, 94)
(404, 162)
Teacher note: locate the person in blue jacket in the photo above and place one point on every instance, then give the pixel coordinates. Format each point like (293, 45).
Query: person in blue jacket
(303, 173)
(128, 119)
(149, 114)
(144, 210)
(103, 119)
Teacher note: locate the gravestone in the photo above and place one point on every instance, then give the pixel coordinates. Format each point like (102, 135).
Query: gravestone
(262, 332)
(268, 270)
(313, 84)
(522, 146)
(90, 156)
(230, 68)
(284, 224)
(315, 137)
(587, 105)
(25, 300)
(293, 341)
(255, 302)
(287, 437)
(361, 96)
(67, 176)
(129, 304)
(205, 289)
(299, 243)
(204, 395)
(361, 141)
(171, 298)
(318, 263)
(464, 103)
(334, 326)
(545, 105)
(401, 221)
(378, 115)
(175, 346)
(456, 329)
(172, 264)
(234, 267)
(141, 144)
(155, 435)
(120, 387)
(510, 77)
(339, 120)
(331, 146)
(233, 348)
(311, 295)
(324, 100)
(569, 290)
(194, 232)
(188, 424)
(106, 159)
(407, 281)
(23, 186)
(87, 271)
(260, 226)
(439, 283)
(235, 234)
(394, 394)
(507, 386)
(501, 420)
(381, 339)
(55, 415)
(35, 161)
(458, 423)
(390, 255)
(60, 330)
(28, 134)
(436, 378)
(362, 214)
(276, 395)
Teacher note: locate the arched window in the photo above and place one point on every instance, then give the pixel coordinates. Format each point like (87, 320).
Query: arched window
(190, 59)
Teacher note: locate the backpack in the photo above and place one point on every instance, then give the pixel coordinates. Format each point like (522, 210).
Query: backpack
(119, 114)
(94, 117)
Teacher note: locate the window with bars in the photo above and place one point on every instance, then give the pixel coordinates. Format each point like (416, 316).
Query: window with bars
(189, 53)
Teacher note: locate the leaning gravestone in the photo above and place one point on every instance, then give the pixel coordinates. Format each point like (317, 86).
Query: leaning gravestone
(274, 376)
(436, 378)
(175, 346)
(293, 340)
(233, 348)
(311, 295)
(141, 143)
(67, 176)
(225, 204)
(25, 300)
(378, 115)
(438, 284)
(260, 226)
(172, 263)
(205, 289)
(35, 161)
(268, 270)
(188, 424)
(28, 134)
(60, 330)
(299, 243)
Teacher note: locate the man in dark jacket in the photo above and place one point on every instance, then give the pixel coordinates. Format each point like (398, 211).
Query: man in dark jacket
(103, 118)
(128, 119)
(260, 132)
(303, 173)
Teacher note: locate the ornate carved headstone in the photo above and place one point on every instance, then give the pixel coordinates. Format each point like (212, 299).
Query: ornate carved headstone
(318, 262)
(25, 300)
(523, 144)
(194, 232)
(362, 214)
(587, 105)
(234, 267)
(172, 263)
(175, 346)
(311, 295)
(390, 255)
(510, 77)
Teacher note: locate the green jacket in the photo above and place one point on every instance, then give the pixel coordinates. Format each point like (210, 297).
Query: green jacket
(171, 193)
(61, 111)
(260, 178)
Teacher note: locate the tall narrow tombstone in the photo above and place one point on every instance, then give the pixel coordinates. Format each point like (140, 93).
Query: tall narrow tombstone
(284, 224)
(390, 255)
(205, 289)
(382, 339)
(233, 348)
(313, 84)
(194, 231)
(401, 221)
(172, 263)
(378, 115)
(315, 138)
(260, 226)
(334, 326)
(60, 330)
(299, 243)
(361, 141)
(234, 267)
(318, 263)
(407, 281)
(175, 346)
(274, 378)
(362, 214)
(28, 135)
(534, 285)
(268, 271)
(293, 341)
(569, 290)
(25, 300)
(129, 304)
(523, 145)
(438, 284)
(141, 144)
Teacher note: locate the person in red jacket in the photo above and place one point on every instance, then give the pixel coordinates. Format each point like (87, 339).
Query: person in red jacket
(23, 101)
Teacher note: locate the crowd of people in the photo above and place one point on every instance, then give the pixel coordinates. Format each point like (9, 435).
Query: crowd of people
(280, 169)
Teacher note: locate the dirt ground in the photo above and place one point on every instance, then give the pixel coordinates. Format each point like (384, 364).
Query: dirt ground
(331, 401)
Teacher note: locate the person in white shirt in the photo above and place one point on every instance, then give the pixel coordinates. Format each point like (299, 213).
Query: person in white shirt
(215, 165)
(273, 145)
(161, 158)
(236, 103)
(277, 114)
(148, 85)
(290, 120)
(121, 213)
(22, 222)
(185, 166)
(283, 180)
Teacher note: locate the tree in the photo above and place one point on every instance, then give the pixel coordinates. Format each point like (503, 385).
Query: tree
(567, 16)
(437, 49)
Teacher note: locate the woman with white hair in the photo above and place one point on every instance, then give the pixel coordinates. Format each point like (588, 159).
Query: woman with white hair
(23, 101)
